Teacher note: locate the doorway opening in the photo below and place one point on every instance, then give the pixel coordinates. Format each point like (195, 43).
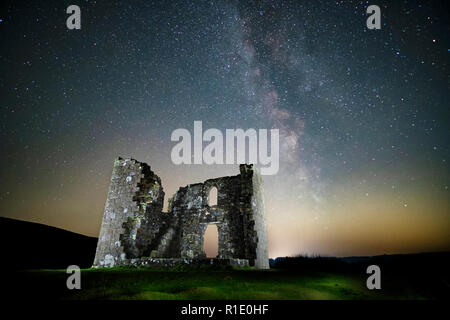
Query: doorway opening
(211, 241)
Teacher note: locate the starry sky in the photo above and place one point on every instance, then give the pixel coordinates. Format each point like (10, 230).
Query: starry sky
(363, 114)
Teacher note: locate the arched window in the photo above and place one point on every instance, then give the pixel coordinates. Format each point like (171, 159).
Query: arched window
(211, 241)
(212, 197)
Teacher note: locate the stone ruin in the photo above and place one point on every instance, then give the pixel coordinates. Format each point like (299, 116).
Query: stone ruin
(135, 230)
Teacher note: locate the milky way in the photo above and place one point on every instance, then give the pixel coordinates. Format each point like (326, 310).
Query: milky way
(363, 114)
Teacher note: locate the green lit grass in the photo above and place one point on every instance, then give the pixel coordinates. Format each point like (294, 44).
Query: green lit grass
(211, 284)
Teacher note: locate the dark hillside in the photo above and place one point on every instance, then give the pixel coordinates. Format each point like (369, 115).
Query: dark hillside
(28, 245)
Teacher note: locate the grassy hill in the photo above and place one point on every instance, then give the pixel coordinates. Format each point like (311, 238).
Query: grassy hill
(224, 284)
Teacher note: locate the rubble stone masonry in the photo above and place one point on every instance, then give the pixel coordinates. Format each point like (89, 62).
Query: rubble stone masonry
(136, 231)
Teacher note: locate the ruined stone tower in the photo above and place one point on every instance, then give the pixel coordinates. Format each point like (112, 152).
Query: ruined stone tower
(135, 230)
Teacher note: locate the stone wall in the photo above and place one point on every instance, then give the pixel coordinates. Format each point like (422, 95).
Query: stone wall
(135, 227)
(255, 214)
(135, 194)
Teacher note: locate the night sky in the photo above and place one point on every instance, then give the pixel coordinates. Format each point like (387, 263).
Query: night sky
(363, 114)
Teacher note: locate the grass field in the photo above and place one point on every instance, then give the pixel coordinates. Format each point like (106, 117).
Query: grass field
(211, 284)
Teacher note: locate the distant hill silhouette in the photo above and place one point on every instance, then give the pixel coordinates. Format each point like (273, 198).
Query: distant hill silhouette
(430, 262)
(28, 245)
